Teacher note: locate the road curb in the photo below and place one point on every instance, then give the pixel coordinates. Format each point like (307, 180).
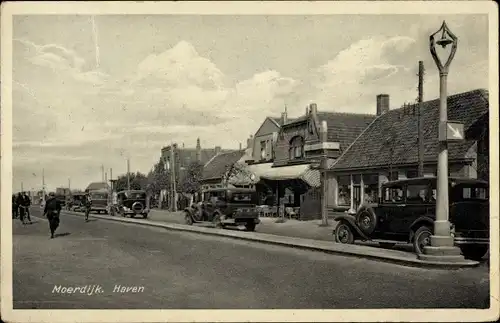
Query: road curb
(357, 251)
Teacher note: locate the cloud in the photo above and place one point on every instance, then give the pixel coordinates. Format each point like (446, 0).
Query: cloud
(63, 109)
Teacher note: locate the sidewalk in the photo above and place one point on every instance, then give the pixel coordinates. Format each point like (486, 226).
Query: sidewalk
(291, 228)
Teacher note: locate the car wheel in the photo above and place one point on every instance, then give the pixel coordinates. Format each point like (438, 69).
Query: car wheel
(421, 239)
(366, 220)
(474, 252)
(343, 233)
(188, 219)
(250, 226)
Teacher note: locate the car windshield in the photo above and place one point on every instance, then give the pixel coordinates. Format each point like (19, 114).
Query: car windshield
(98, 196)
(242, 197)
(135, 195)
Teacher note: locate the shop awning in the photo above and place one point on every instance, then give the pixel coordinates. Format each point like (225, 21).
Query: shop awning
(301, 172)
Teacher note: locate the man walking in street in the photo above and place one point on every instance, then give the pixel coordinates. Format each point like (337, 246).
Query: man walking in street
(52, 211)
(21, 209)
(15, 207)
(26, 203)
(87, 202)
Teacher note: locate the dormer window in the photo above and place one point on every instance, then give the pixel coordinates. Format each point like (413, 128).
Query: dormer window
(296, 150)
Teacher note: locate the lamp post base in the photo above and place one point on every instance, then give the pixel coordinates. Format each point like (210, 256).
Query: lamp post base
(442, 249)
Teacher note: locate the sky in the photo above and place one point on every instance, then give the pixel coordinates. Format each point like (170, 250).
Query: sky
(95, 90)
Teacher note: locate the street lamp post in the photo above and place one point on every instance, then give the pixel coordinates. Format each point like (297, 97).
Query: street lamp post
(441, 242)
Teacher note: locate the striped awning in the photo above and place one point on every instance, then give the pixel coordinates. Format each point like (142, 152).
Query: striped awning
(301, 172)
(250, 174)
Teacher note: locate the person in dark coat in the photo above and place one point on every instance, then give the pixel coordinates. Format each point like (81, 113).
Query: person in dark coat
(21, 209)
(15, 207)
(87, 203)
(52, 211)
(26, 203)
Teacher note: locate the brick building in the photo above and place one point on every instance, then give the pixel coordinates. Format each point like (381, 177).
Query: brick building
(387, 149)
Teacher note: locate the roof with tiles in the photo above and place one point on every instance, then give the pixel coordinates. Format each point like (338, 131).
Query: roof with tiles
(219, 165)
(397, 131)
(343, 127)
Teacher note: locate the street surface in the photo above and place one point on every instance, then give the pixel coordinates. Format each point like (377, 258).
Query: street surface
(179, 270)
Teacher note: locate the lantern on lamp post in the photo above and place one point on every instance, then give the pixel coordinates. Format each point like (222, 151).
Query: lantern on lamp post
(441, 241)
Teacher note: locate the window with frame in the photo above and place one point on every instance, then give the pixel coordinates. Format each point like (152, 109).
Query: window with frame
(344, 193)
(417, 193)
(393, 176)
(393, 194)
(263, 149)
(296, 148)
(411, 174)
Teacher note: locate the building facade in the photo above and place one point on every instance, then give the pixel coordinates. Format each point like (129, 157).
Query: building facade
(388, 149)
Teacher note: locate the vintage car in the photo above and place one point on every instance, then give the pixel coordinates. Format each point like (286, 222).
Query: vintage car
(130, 203)
(406, 213)
(225, 207)
(76, 202)
(99, 200)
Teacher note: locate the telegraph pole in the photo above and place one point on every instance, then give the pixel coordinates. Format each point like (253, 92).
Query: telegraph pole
(420, 123)
(43, 184)
(128, 174)
(69, 184)
(172, 172)
(102, 172)
(22, 187)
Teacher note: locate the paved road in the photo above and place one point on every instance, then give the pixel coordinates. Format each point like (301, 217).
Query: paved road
(184, 270)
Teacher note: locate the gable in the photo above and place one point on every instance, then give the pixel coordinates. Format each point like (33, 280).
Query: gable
(267, 127)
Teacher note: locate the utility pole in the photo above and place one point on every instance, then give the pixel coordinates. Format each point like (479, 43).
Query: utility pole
(324, 175)
(102, 172)
(172, 172)
(22, 187)
(43, 185)
(420, 123)
(128, 174)
(69, 184)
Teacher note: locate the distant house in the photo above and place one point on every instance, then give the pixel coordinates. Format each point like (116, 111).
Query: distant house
(388, 149)
(216, 171)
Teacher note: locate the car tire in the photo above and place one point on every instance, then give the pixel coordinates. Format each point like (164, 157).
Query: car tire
(421, 238)
(474, 252)
(344, 233)
(366, 219)
(250, 226)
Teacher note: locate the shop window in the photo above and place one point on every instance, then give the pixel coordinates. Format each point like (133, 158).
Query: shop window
(296, 148)
(263, 149)
(417, 194)
(344, 187)
(371, 188)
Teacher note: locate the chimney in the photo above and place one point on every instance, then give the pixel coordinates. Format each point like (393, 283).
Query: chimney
(250, 142)
(240, 146)
(313, 108)
(323, 131)
(217, 149)
(183, 146)
(382, 104)
(198, 150)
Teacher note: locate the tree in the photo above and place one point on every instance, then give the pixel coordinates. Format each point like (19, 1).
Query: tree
(191, 181)
(158, 178)
(138, 181)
